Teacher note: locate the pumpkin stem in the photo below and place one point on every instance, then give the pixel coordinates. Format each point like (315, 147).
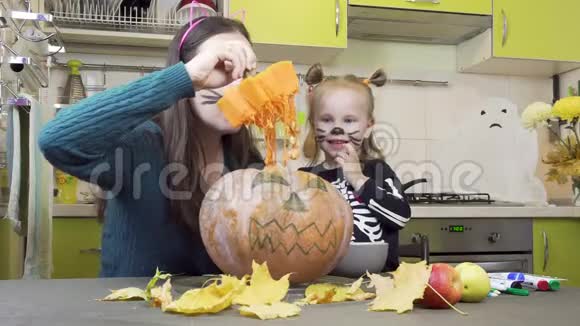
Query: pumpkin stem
(295, 204)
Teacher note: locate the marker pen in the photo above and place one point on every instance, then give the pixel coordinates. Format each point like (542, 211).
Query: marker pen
(508, 276)
(541, 283)
(503, 285)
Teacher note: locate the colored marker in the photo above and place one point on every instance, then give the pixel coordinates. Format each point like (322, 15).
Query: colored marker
(503, 285)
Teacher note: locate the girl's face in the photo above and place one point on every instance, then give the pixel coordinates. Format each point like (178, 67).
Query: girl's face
(342, 118)
(205, 100)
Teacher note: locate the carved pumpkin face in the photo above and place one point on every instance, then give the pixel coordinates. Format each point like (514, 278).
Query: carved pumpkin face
(295, 221)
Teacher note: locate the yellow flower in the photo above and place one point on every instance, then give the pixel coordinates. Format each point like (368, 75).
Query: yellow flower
(567, 108)
(536, 114)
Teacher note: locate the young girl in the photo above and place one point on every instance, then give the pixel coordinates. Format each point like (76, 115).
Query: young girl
(341, 121)
(154, 146)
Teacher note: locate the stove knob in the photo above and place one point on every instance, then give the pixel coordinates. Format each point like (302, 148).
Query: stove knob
(494, 237)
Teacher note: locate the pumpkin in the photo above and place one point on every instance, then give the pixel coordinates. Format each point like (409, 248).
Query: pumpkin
(295, 221)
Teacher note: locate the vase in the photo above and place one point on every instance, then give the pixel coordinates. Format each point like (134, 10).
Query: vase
(576, 191)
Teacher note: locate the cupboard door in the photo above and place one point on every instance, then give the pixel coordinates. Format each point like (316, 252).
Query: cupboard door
(76, 247)
(556, 249)
(320, 23)
(545, 30)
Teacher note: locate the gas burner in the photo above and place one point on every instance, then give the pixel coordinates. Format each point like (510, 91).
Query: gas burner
(448, 197)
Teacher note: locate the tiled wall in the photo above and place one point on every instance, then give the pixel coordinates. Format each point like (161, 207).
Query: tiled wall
(413, 118)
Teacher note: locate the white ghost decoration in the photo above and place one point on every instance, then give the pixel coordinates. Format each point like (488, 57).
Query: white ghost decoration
(499, 151)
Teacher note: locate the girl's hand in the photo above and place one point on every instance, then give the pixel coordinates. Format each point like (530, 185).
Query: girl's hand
(349, 161)
(220, 62)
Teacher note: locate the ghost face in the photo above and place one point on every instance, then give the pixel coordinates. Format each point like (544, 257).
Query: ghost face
(498, 114)
(206, 109)
(341, 118)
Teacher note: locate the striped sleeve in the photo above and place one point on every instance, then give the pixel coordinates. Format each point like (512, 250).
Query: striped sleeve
(384, 196)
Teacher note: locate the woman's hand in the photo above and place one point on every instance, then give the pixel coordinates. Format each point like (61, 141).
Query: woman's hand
(349, 161)
(220, 61)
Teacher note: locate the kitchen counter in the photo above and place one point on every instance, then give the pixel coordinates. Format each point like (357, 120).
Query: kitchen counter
(72, 303)
(493, 211)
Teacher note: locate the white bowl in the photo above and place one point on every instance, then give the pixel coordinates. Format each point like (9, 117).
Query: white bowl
(362, 257)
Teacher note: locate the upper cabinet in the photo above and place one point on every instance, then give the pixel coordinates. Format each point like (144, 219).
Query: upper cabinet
(478, 7)
(304, 31)
(544, 30)
(527, 38)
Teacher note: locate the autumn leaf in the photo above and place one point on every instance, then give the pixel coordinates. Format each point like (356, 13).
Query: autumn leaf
(263, 289)
(125, 294)
(273, 311)
(158, 276)
(409, 283)
(211, 299)
(161, 295)
(327, 293)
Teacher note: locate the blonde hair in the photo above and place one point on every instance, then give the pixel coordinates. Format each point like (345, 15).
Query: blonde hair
(319, 86)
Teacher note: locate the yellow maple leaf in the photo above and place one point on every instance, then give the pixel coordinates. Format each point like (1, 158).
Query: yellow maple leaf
(380, 283)
(328, 292)
(409, 283)
(125, 294)
(161, 295)
(211, 299)
(153, 281)
(263, 289)
(273, 311)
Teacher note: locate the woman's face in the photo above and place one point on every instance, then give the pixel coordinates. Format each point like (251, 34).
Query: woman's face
(205, 100)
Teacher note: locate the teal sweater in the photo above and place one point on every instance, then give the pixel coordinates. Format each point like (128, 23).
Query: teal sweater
(104, 139)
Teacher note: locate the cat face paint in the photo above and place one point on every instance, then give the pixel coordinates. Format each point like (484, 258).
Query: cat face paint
(341, 119)
(205, 107)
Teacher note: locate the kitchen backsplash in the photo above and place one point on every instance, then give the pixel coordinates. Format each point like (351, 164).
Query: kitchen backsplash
(424, 130)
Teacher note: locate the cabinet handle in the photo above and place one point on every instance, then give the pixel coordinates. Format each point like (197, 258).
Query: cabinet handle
(505, 28)
(435, 2)
(546, 250)
(90, 251)
(337, 16)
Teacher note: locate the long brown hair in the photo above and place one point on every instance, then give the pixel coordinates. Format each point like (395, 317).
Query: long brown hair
(181, 141)
(320, 86)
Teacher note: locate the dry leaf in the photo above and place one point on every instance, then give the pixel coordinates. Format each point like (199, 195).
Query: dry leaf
(158, 276)
(409, 283)
(380, 283)
(263, 289)
(273, 311)
(211, 299)
(327, 293)
(319, 293)
(125, 295)
(161, 295)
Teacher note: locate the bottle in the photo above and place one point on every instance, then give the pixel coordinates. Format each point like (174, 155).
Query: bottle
(74, 89)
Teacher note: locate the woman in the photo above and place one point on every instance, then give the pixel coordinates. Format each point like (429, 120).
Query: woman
(154, 146)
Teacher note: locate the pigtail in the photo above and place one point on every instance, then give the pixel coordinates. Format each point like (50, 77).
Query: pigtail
(378, 78)
(314, 75)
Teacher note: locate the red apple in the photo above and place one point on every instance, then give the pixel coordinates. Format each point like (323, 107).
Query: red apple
(445, 280)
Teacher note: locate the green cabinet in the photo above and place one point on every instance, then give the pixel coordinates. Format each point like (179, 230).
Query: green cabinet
(320, 23)
(11, 252)
(479, 7)
(557, 249)
(76, 244)
(545, 30)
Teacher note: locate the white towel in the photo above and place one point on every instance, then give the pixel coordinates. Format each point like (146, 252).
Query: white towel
(14, 163)
(38, 260)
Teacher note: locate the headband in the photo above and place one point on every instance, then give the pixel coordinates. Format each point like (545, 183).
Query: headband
(191, 27)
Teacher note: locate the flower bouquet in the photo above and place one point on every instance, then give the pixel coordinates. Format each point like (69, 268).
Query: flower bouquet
(564, 158)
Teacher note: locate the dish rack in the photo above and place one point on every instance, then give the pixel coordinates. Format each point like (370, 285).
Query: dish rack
(112, 16)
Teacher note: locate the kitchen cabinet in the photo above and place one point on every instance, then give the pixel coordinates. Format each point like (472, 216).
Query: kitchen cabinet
(557, 249)
(303, 31)
(527, 38)
(11, 252)
(76, 247)
(479, 7)
(544, 30)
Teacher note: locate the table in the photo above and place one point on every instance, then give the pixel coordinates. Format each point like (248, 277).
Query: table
(72, 303)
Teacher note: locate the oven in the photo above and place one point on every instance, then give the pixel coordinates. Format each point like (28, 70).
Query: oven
(496, 244)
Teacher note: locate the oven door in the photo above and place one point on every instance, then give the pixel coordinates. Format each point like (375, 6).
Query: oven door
(491, 263)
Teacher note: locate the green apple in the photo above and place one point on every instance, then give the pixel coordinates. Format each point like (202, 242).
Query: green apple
(476, 283)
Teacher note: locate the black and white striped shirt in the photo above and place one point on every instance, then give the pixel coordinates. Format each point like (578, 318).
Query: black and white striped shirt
(379, 208)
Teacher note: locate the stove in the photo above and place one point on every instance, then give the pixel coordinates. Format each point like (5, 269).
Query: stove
(448, 198)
